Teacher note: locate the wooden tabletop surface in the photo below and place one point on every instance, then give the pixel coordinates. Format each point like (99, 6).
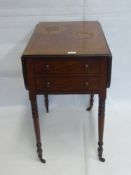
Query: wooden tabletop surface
(67, 38)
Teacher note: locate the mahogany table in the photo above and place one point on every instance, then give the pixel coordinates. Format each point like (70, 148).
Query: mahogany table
(67, 58)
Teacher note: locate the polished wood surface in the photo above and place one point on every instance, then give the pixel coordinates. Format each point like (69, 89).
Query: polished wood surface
(67, 58)
(66, 84)
(61, 38)
(87, 66)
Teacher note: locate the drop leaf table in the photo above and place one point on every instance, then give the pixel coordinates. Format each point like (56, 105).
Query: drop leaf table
(67, 58)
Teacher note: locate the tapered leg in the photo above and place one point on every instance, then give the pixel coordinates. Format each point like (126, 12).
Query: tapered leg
(101, 117)
(36, 126)
(91, 102)
(46, 103)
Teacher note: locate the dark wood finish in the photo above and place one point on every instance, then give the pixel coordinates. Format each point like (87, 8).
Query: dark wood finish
(91, 102)
(58, 38)
(101, 117)
(87, 66)
(47, 103)
(67, 58)
(36, 126)
(66, 84)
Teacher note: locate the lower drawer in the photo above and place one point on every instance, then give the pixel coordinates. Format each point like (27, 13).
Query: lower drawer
(67, 84)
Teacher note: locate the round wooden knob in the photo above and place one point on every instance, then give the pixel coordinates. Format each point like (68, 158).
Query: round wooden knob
(86, 83)
(47, 66)
(48, 84)
(86, 66)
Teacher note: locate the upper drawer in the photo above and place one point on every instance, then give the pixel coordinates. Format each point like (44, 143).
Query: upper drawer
(90, 66)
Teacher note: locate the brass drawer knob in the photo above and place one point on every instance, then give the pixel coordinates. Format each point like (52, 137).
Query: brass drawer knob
(86, 83)
(86, 66)
(47, 66)
(48, 84)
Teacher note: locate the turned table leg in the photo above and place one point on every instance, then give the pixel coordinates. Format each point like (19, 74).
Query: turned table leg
(91, 102)
(36, 126)
(46, 103)
(101, 117)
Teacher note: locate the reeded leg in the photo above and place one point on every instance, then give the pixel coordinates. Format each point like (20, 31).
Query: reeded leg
(36, 126)
(101, 117)
(91, 102)
(46, 103)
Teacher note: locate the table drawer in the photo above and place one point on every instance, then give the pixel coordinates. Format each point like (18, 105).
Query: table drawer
(91, 66)
(67, 84)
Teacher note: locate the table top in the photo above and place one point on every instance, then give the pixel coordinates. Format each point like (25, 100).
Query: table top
(67, 38)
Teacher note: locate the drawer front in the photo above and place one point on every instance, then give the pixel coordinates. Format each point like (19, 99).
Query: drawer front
(91, 66)
(67, 84)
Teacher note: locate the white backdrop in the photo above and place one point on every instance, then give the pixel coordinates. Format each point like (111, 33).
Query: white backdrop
(17, 22)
